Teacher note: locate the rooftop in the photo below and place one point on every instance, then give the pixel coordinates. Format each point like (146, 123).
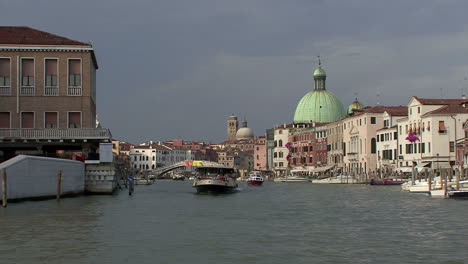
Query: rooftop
(31, 36)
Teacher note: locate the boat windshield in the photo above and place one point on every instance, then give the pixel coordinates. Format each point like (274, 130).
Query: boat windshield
(215, 173)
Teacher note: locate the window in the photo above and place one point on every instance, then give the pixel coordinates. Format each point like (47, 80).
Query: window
(373, 120)
(5, 120)
(373, 146)
(452, 146)
(401, 150)
(50, 120)
(429, 127)
(280, 131)
(442, 128)
(275, 155)
(423, 148)
(280, 143)
(27, 77)
(429, 147)
(27, 119)
(51, 73)
(395, 135)
(281, 164)
(74, 119)
(74, 77)
(281, 154)
(344, 149)
(5, 79)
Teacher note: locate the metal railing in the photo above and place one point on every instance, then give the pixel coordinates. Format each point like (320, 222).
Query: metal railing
(75, 91)
(51, 91)
(5, 90)
(27, 91)
(55, 133)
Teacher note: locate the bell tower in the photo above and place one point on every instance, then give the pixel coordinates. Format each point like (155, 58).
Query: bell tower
(232, 126)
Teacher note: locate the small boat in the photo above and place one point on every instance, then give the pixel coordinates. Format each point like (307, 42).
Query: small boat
(291, 179)
(178, 177)
(461, 193)
(255, 179)
(386, 182)
(215, 178)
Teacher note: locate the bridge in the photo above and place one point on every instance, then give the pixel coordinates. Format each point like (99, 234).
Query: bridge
(187, 163)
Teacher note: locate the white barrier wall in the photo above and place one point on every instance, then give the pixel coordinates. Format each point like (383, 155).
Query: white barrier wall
(33, 177)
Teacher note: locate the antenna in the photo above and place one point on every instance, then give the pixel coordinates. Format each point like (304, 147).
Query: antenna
(465, 87)
(378, 97)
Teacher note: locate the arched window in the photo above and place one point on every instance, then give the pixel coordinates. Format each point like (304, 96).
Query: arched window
(152, 166)
(280, 143)
(373, 145)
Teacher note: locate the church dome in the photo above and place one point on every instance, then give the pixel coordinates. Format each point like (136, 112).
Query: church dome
(319, 72)
(355, 105)
(319, 106)
(244, 133)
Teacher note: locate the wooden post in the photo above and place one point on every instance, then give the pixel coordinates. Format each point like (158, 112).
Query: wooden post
(4, 188)
(429, 182)
(457, 179)
(59, 185)
(449, 172)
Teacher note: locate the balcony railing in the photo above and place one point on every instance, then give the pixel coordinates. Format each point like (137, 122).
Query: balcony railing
(54, 133)
(5, 90)
(27, 91)
(75, 91)
(51, 91)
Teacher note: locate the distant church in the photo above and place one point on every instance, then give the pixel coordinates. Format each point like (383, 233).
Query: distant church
(235, 133)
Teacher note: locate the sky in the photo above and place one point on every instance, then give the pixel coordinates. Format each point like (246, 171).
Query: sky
(178, 68)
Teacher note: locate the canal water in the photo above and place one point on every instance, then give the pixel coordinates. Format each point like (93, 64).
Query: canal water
(276, 223)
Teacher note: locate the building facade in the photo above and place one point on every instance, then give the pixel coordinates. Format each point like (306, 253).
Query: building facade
(47, 93)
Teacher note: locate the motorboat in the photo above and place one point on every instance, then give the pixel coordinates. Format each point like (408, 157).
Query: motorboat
(386, 181)
(291, 179)
(461, 193)
(215, 178)
(255, 179)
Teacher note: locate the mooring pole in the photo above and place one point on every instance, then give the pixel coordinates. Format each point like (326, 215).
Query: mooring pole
(59, 185)
(4, 188)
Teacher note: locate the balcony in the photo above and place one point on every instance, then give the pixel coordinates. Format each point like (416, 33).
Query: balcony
(75, 91)
(54, 133)
(51, 91)
(353, 156)
(27, 91)
(5, 90)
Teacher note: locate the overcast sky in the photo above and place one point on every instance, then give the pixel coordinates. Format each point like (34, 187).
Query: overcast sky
(177, 69)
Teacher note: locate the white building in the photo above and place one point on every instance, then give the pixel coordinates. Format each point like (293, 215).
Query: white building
(438, 123)
(387, 141)
(153, 155)
(280, 152)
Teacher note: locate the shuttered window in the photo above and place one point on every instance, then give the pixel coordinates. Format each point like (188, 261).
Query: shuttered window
(27, 120)
(51, 120)
(4, 119)
(74, 120)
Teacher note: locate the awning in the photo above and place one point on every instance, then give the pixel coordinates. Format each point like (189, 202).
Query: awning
(323, 168)
(404, 169)
(422, 166)
(441, 165)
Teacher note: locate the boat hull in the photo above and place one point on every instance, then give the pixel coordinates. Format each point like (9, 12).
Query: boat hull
(215, 186)
(385, 182)
(458, 194)
(255, 183)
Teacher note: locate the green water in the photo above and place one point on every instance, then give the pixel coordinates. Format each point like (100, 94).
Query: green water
(276, 223)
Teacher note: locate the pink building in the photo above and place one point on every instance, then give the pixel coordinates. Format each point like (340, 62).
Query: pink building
(260, 155)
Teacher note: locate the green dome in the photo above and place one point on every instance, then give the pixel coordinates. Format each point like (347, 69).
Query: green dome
(319, 106)
(319, 72)
(355, 105)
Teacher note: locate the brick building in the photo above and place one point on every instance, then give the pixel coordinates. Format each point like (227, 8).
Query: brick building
(47, 93)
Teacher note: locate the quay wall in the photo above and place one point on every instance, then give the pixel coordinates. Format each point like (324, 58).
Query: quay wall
(31, 177)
